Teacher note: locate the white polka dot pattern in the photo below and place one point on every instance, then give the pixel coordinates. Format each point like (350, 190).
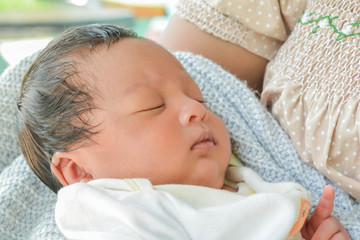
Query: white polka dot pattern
(258, 26)
(317, 73)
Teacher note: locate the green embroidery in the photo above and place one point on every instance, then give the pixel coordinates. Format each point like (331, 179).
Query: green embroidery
(329, 19)
(310, 13)
(315, 29)
(356, 23)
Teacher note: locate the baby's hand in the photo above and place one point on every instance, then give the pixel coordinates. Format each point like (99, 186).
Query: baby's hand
(321, 225)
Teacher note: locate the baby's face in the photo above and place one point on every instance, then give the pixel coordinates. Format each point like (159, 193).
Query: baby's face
(152, 120)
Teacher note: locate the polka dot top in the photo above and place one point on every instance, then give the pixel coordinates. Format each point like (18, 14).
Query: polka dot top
(312, 87)
(260, 27)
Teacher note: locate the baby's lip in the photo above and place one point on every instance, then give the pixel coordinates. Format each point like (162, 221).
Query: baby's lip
(205, 141)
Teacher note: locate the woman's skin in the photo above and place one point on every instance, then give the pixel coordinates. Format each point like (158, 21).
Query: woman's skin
(181, 35)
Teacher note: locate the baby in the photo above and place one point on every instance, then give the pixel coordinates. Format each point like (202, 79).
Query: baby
(118, 120)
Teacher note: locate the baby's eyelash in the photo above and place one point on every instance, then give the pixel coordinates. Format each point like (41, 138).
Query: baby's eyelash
(153, 108)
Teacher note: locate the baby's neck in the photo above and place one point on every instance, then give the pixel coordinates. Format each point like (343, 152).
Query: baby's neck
(229, 188)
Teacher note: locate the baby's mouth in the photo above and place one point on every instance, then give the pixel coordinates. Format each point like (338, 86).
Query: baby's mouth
(204, 142)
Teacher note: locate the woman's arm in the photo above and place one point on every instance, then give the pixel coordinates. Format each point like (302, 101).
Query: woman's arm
(184, 36)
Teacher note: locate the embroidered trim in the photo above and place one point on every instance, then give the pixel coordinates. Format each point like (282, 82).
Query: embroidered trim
(326, 21)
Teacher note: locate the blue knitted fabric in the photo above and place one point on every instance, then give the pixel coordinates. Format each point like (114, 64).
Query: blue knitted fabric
(27, 206)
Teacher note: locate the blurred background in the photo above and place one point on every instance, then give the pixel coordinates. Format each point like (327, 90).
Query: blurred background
(28, 25)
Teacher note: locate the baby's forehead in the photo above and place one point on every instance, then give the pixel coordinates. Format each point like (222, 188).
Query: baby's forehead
(127, 65)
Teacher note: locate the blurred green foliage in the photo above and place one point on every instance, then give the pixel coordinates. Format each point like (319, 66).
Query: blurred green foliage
(27, 5)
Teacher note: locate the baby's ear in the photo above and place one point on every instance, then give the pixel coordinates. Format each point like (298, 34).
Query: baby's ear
(66, 170)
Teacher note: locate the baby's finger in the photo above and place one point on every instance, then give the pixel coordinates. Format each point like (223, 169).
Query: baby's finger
(324, 207)
(331, 229)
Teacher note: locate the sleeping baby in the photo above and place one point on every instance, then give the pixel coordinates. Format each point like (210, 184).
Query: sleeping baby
(116, 126)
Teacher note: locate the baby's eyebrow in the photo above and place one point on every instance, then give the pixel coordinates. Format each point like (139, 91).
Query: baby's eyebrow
(135, 87)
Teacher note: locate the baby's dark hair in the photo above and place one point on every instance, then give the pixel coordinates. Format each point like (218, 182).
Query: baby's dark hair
(54, 99)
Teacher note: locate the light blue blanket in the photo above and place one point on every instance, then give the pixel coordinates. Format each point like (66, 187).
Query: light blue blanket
(27, 206)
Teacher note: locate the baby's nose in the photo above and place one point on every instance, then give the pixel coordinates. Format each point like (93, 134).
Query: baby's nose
(193, 111)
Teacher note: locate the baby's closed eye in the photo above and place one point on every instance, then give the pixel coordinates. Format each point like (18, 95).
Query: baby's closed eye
(157, 107)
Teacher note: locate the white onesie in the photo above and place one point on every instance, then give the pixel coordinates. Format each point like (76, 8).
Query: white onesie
(136, 209)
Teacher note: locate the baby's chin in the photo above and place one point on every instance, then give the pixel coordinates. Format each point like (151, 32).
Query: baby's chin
(215, 182)
(211, 175)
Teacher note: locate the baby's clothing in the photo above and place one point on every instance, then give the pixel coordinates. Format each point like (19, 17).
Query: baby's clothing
(135, 209)
(312, 86)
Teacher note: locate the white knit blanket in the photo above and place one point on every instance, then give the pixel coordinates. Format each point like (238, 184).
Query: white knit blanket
(27, 206)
